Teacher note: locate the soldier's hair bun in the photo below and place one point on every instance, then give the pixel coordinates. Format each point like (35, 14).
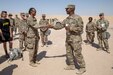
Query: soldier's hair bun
(31, 10)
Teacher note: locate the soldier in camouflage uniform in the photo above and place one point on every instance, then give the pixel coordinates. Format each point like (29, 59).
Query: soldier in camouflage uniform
(74, 28)
(102, 26)
(43, 31)
(27, 15)
(12, 22)
(23, 31)
(17, 23)
(32, 37)
(90, 31)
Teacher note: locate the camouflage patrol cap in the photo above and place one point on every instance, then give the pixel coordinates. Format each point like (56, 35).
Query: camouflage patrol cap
(70, 6)
(101, 14)
(27, 14)
(43, 14)
(10, 14)
(22, 13)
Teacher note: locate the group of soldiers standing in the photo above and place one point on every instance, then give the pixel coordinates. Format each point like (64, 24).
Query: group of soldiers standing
(100, 27)
(14, 22)
(73, 24)
(28, 33)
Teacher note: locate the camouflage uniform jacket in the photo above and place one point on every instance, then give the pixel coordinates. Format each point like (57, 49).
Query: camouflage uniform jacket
(90, 27)
(12, 22)
(32, 27)
(103, 23)
(23, 27)
(75, 24)
(43, 22)
(17, 22)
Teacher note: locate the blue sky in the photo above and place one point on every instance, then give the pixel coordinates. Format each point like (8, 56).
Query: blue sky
(57, 7)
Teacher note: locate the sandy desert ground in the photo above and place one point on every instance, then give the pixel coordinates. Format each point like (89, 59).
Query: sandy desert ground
(52, 58)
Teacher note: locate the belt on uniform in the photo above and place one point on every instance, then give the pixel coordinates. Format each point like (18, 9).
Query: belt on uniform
(73, 33)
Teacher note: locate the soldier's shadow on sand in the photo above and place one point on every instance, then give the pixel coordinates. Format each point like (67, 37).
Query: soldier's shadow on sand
(16, 38)
(49, 42)
(93, 44)
(2, 59)
(8, 70)
(41, 55)
(55, 56)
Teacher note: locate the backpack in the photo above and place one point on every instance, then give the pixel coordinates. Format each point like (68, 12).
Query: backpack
(106, 35)
(15, 53)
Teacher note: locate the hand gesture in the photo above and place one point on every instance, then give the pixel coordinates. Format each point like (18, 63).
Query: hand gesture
(67, 27)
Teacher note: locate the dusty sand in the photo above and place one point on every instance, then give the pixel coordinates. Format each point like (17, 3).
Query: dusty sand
(52, 58)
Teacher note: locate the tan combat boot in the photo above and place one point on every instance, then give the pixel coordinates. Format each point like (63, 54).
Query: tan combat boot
(107, 50)
(98, 49)
(37, 62)
(81, 71)
(33, 64)
(70, 67)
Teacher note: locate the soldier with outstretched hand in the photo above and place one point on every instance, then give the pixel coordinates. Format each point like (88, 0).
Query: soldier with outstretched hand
(74, 29)
(102, 25)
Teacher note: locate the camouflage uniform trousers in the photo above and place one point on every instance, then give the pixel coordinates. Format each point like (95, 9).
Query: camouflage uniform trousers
(22, 41)
(102, 41)
(90, 37)
(44, 38)
(73, 51)
(12, 29)
(15, 29)
(32, 46)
